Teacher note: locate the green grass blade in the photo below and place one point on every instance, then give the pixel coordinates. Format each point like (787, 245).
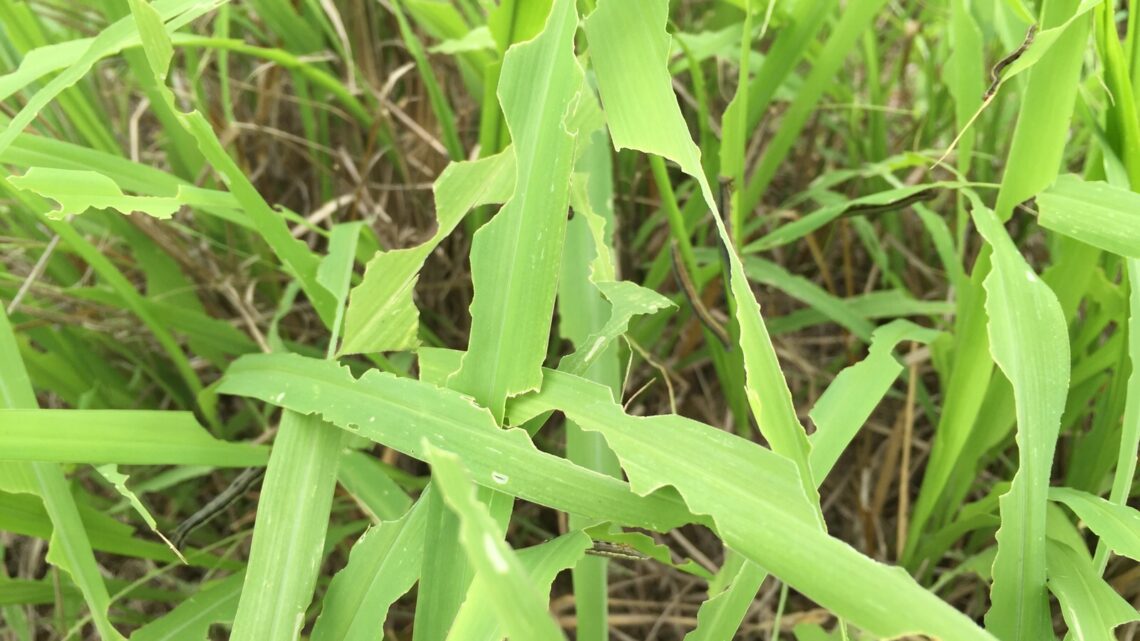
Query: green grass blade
(1118, 526)
(1091, 607)
(588, 259)
(671, 450)
(384, 564)
(71, 549)
(516, 257)
(1095, 213)
(215, 603)
(519, 605)
(1029, 342)
(381, 314)
(128, 437)
(399, 412)
(847, 403)
(289, 533)
(477, 619)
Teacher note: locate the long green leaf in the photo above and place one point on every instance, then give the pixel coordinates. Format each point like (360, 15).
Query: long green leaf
(1117, 525)
(399, 412)
(670, 450)
(129, 437)
(1095, 213)
(384, 564)
(1029, 342)
(1090, 606)
(516, 257)
(515, 598)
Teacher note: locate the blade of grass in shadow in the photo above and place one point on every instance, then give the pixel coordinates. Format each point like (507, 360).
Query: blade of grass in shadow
(70, 547)
(443, 113)
(853, 22)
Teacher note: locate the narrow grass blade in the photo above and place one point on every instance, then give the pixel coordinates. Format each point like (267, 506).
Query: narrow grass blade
(516, 257)
(847, 403)
(521, 607)
(1095, 213)
(289, 533)
(583, 310)
(399, 412)
(214, 603)
(384, 564)
(335, 272)
(381, 314)
(719, 618)
(71, 548)
(1091, 607)
(372, 487)
(128, 437)
(1118, 526)
(1029, 342)
(671, 450)
(478, 619)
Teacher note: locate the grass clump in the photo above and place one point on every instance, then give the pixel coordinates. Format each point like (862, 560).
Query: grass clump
(557, 319)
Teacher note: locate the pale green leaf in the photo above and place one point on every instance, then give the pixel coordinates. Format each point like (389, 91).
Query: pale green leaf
(119, 480)
(78, 190)
(1095, 213)
(1117, 525)
(520, 606)
(384, 564)
(1091, 607)
(155, 41)
(381, 315)
(399, 412)
(477, 39)
(515, 259)
(1029, 341)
